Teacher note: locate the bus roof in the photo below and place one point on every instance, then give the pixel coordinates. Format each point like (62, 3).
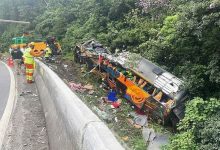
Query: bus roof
(154, 74)
(161, 79)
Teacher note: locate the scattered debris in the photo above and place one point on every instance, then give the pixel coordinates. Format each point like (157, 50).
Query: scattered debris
(130, 121)
(65, 66)
(42, 130)
(83, 70)
(125, 138)
(152, 135)
(137, 126)
(80, 88)
(141, 120)
(88, 87)
(115, 104)
(53, 67)
(146, 133)
(35, 95)
(113, 113)
(159, 141)
(116, 119)
(138, 119)
(76, 87)
(91, 92)
(102, 114)
(25, 93)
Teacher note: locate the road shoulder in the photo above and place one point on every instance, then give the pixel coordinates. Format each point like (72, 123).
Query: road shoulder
(27, 127)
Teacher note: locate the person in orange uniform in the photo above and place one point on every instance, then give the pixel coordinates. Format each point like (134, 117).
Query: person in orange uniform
(29, 62)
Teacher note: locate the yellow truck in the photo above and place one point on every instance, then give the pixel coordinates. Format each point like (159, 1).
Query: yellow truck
(39, 46)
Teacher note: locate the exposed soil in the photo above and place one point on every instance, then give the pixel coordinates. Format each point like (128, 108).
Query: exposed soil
(27, 127)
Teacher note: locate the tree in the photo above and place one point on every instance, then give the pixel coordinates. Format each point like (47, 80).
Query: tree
(200, 127)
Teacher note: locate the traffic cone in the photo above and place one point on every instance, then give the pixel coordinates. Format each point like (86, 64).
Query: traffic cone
(10, 62)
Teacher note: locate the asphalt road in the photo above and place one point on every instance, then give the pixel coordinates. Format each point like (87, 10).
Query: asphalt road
(5, 82)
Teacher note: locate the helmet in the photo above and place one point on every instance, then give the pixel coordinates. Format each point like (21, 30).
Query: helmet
(32, 43)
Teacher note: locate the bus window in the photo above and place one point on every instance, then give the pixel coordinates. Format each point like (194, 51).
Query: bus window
(140, 82)
(158, 96)
(164, 98)
(155, 92)
(117, 74)
(143, 85)
(149, 88)
(134, 79)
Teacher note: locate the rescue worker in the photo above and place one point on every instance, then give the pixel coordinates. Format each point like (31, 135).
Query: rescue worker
(29, 62)
(48, 53)
(51, 42)
(17, 58)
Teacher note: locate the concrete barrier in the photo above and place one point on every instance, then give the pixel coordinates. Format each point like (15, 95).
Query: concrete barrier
(71, 125)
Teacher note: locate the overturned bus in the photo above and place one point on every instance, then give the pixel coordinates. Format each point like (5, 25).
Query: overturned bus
(150, 88)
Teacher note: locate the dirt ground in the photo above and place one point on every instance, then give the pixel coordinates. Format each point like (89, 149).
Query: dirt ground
(130, 137)
(27, 127)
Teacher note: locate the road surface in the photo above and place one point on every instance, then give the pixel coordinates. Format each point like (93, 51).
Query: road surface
(5, 81)
(26, 129)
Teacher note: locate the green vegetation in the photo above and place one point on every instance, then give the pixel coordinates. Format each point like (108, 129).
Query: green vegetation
(181, 36)
(200, 129)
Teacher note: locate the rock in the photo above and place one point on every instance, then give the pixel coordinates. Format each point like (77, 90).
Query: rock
(91, 92)
(137, 126)
(116, 119)
(148, 134)
(125, 138)
(152, 135)
(130, 121)
(35, 95)
(65, 66)
(159, 141)
(25, 93)
(141, 120)
(88, 87)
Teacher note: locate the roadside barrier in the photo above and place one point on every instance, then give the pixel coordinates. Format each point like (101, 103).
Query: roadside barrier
(71, 125)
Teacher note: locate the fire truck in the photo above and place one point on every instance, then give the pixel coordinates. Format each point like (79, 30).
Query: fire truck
(150, 88)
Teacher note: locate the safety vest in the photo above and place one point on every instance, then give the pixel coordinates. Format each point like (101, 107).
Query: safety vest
(28, 58)
(48, 52)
